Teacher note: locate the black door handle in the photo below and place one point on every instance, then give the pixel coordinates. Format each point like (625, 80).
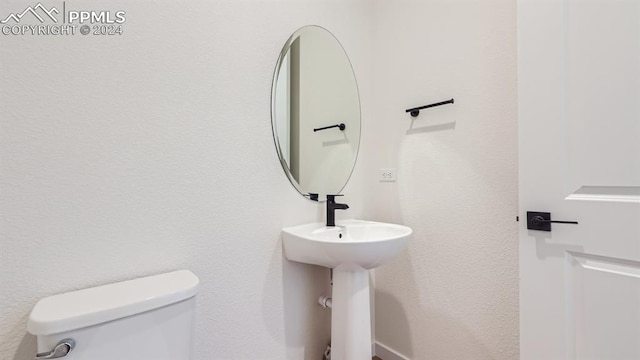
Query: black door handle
(537, 220)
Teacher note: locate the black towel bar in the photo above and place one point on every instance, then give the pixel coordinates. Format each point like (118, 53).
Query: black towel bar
(416, 110)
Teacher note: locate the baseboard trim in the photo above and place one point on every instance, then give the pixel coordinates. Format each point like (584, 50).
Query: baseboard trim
(386, 353)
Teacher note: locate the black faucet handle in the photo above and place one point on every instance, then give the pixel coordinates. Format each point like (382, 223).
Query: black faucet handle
(333, 197)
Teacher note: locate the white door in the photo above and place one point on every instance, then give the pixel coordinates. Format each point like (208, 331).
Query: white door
(579, 127)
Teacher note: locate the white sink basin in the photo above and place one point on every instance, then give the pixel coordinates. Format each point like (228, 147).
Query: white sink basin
(350, 244)
(351, 248)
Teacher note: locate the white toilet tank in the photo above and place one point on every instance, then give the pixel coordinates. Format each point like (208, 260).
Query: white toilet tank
(150, 318)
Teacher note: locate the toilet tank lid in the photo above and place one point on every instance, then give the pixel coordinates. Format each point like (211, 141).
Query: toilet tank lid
(97, 305)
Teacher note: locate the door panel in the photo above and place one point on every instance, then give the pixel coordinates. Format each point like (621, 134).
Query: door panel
(603, 309)
(602, 63)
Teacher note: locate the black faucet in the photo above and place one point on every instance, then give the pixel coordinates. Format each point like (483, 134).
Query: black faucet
(332, 206)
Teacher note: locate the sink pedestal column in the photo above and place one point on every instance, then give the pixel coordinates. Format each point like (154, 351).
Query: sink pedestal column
(350, 315)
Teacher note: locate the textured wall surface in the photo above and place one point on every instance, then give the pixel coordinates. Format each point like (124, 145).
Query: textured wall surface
(453, 294)
(129, 156)
(140, 154)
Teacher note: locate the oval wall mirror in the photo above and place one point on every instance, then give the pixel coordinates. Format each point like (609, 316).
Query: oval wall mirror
(315, 113)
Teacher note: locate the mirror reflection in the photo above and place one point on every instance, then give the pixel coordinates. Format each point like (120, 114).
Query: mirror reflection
(315, 110)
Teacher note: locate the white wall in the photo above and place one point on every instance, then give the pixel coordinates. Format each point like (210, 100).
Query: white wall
(140, 154)
(453, 294)
(122, 157)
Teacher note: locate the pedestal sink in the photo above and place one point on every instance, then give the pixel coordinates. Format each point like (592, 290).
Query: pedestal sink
(350, 248)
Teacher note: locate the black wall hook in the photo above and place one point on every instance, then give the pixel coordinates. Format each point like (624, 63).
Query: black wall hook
(416, 110)
(341, 126)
